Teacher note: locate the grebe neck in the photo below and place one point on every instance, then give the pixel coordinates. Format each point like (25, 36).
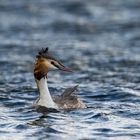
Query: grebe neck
(45, 98)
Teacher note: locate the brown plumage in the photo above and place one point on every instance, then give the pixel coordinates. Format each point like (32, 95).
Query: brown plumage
(40, 69)
(68, 100)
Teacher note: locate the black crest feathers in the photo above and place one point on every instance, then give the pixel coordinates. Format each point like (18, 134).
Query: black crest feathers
(45, 54)
(42, 52)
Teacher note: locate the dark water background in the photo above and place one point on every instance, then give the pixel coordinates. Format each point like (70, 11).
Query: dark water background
(100, 39)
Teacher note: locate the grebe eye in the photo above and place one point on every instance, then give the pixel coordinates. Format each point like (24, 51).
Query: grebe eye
(52, 62)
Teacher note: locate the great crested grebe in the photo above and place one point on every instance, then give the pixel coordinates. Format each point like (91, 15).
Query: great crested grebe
(44, 63)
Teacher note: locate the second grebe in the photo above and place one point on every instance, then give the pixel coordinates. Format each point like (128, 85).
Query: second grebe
(44, 63)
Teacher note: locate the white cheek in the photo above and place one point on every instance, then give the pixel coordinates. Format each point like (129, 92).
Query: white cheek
(50, 66)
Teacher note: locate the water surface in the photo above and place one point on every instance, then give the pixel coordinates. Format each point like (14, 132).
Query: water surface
(99, 39)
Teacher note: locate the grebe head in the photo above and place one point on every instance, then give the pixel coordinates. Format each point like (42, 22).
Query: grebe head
(46, 62)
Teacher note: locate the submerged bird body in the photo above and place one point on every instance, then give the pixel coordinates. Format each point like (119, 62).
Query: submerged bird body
(68, 100)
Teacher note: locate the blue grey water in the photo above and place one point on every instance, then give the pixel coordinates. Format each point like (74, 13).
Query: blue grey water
(99, 39)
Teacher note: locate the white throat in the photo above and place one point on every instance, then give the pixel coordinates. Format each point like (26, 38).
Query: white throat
(45, 98)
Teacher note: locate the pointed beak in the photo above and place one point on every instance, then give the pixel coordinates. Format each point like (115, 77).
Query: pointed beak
(63, 68)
